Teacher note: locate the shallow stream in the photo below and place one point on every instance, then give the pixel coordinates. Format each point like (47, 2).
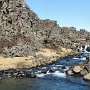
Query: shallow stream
(51, 80)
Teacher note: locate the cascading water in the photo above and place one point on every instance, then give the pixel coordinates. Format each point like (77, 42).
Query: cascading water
(85, 49)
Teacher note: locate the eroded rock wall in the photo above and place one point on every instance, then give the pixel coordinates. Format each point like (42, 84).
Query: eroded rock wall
(17, 23)
(22, 33)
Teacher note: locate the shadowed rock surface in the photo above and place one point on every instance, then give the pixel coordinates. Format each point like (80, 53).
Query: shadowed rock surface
(16, 28)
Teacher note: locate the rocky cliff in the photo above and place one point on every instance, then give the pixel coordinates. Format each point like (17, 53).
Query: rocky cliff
(17, 24)
(22, 33)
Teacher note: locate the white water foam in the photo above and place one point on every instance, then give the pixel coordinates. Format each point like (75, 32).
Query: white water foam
(48, 73)
(67, 68)
(58, 65)
(85, 49)
(76, 58)
(82, 58)
(40, 75)
(59, 74)
(56, 73)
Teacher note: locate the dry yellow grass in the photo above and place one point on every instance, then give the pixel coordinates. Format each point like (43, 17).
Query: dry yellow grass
(16, 62)
(47, 52)
(43, 56)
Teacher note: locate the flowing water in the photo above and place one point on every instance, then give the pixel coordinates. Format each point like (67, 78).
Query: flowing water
(54, 80)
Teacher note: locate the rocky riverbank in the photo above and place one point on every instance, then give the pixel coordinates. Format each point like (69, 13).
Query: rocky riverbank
(82, 70)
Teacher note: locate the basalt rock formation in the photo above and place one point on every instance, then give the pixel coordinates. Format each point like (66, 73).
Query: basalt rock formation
(22, 33)
(17, 24)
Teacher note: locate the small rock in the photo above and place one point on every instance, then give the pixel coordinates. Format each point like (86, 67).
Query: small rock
(63, 67)
(70, 72)
(44, 71)
(30, 75)
(20, 74)
(33, 75)
(51, 70)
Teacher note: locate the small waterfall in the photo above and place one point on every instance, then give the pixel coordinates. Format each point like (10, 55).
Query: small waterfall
(85, 48)
(87, 45)
(81, 48)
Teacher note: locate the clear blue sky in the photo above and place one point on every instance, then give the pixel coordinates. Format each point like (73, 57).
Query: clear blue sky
(66, 12)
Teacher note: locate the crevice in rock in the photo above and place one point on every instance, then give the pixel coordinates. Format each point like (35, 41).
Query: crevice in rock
(1, 3)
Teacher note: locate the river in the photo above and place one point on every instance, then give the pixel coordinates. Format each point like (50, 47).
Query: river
(56, 80)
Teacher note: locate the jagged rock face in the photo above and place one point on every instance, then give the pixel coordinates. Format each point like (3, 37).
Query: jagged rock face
(22, 33)
(50, 32)
(17, 23)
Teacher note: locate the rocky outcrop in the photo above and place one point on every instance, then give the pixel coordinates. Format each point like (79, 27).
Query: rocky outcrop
(82, 70)
(22, 33)
(16, 28)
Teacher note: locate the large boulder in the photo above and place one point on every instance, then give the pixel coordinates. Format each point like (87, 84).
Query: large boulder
(78, 68)
(87, 76)
(83, 72)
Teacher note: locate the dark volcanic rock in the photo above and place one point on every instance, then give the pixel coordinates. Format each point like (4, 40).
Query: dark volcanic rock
(51, 70)
(22, 33)
(44, 71)
(16, 28)
(30, 75)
